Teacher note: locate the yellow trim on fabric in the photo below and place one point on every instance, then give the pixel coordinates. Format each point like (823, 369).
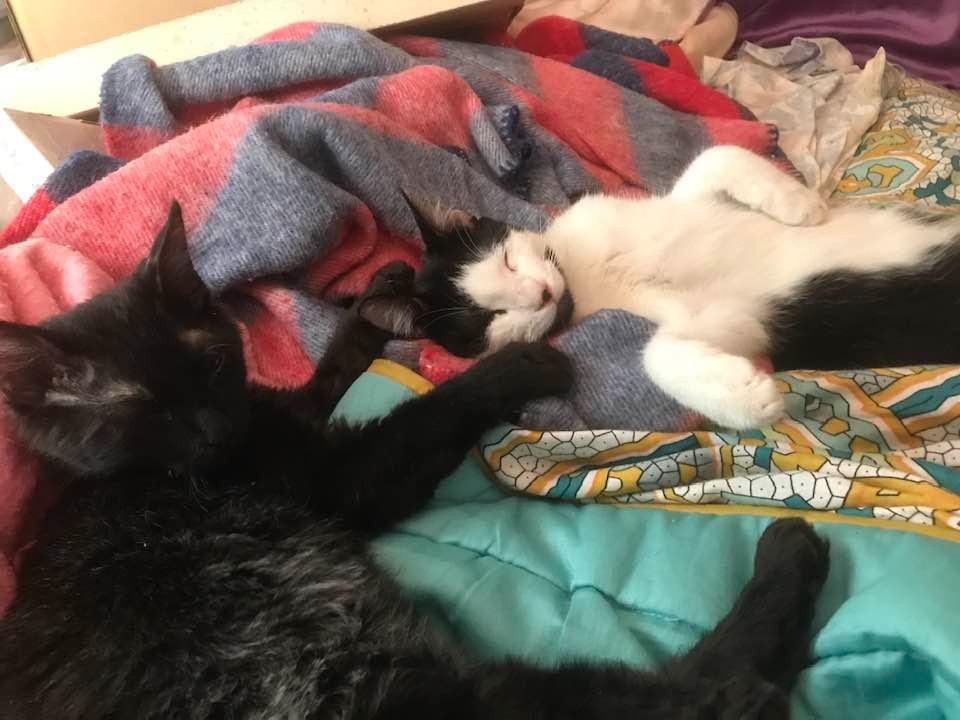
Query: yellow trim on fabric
(400, 374)
(920, 423)
(812, 516)
(876, 492)
(599, 479)
(795, 432)
(517, 437)
(899, 461)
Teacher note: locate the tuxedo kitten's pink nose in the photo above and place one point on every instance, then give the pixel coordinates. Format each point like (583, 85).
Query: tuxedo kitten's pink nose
(545, 297)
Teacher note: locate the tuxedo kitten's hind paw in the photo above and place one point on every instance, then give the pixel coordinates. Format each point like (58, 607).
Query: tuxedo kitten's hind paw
(755, 400)
(736, 395)
(727, 389)
(790, 203)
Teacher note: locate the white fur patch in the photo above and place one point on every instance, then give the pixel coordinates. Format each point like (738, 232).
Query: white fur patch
(195, 337)
(86, 389)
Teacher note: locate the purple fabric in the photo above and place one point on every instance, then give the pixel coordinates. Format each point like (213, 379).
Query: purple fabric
(921, 35)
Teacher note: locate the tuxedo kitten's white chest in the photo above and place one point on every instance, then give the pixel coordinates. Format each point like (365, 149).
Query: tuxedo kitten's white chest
(650, 257)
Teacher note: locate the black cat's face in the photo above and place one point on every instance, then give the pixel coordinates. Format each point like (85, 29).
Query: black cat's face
(146, 376)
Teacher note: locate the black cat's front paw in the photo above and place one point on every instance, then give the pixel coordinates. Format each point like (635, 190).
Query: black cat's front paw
(792, 547)
(534, 370)
(395, 278)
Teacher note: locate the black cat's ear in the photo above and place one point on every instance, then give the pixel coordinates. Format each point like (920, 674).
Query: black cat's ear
(172, 269)
(29, 361)
(399, 315)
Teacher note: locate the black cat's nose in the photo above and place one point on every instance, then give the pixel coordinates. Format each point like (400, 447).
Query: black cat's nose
(545, 297)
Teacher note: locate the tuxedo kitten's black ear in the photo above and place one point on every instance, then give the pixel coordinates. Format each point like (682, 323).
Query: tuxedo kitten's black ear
(29, 362)
(486, 232)
(397, 314)
(438, 227)
(171, 266)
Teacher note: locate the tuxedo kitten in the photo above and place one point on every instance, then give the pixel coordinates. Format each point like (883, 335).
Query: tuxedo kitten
(208, 559)
(738, 261)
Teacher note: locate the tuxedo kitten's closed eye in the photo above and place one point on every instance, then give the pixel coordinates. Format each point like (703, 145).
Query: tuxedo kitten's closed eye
(119, 386)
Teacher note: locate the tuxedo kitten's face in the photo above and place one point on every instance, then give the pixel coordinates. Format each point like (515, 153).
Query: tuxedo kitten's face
(480, 288)
(148, 376)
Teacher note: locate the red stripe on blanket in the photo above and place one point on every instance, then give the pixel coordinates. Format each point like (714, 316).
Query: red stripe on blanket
(294, 31)
(418, 46)
(747, 133)
(272, 344)
(586, 112)
(48, 279)
(687, 94)
(37, 207)
(545, 36)
(403, 97)
(679, 62)
(132, 142)
(98, 222)
(437, 365)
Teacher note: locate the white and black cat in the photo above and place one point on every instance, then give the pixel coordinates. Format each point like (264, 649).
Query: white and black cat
(208, 559)
(857, 286)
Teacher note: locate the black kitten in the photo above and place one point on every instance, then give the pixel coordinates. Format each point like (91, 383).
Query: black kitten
(208, 556)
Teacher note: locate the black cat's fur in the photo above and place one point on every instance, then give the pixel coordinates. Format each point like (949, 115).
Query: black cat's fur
(208, 555)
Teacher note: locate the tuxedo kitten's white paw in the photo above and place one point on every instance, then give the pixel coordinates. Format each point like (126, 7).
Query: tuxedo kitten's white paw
(725, 388)
(743, 397)
(804, 207)
(793, 204)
